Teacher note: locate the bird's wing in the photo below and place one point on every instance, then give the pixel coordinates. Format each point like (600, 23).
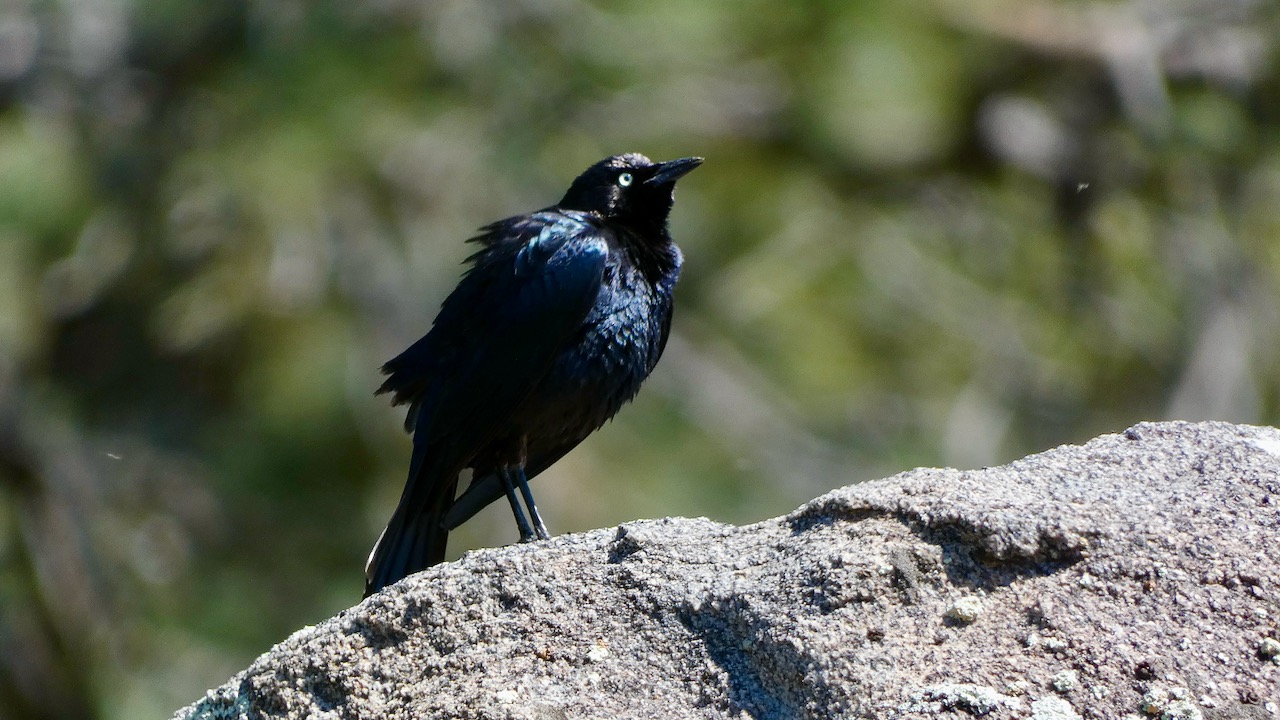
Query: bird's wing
(533, 298)
(498, 333)
(528, 290)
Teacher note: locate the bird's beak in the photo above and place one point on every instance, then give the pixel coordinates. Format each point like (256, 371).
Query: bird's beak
(672, 170)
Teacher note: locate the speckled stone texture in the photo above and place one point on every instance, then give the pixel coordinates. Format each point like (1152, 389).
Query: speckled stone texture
(1136, 576)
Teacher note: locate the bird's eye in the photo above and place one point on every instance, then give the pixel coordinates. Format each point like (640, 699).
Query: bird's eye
(625, 179)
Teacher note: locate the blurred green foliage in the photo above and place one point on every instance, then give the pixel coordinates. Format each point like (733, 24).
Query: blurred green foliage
(927, 232)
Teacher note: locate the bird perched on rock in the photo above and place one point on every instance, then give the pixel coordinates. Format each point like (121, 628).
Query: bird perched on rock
(561, 316)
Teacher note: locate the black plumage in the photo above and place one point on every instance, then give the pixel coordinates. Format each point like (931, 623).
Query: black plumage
(562, 315)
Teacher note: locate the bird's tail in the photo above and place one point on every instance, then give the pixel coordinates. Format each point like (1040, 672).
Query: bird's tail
(415, 538)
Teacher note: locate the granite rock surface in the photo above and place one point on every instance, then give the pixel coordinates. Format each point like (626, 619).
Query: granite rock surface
(1136, 576)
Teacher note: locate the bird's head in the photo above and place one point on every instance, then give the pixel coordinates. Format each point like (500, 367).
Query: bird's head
(629, 188)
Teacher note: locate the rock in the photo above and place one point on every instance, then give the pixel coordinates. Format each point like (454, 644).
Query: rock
(1144, 567)
(1053, 709)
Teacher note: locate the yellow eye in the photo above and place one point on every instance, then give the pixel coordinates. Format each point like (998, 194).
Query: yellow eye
(624, 179)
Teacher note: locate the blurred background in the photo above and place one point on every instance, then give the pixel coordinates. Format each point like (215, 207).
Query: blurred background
(928, 232)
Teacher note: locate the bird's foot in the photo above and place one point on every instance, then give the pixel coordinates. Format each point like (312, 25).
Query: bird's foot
(522, 523)
(522, 482)
(539, 529)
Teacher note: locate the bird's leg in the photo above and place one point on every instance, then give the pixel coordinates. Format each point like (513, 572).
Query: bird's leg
(526, 532)
(523, 482)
